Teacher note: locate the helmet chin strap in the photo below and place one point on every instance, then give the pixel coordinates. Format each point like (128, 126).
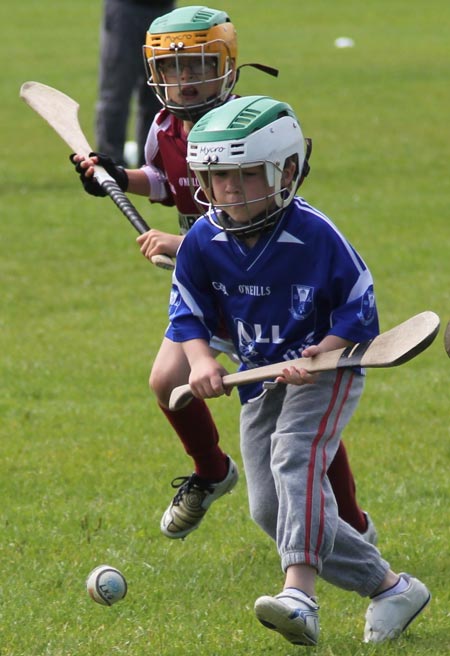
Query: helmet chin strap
(194, 113)
(263, 222)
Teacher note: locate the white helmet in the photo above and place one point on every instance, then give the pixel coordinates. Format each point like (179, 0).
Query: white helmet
(243, 133)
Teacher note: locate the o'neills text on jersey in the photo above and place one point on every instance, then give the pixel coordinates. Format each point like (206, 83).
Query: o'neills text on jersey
(254, 290)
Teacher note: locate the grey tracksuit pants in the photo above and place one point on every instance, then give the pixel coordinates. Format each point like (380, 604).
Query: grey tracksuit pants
(289, 437)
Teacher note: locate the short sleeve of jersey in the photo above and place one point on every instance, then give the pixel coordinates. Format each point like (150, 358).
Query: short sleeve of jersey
(166, 149)
(154, 166)
(193, 313)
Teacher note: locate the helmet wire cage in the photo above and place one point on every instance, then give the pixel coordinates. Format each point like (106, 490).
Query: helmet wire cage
(276, 200)
(166, 72)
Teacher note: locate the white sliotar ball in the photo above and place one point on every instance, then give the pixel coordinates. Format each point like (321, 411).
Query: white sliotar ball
(344, 42)
(106, 585)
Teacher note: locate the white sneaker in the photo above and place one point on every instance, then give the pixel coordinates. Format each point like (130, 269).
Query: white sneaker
(370, 535)
(293, 614)
(388, 617)
(192, 500)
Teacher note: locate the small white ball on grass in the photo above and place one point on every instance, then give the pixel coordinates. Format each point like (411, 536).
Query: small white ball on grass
(106, 585)
(344, 42)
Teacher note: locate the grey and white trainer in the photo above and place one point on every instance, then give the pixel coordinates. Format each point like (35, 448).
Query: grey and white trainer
(388, 617)
(293, 614)
(194, 496)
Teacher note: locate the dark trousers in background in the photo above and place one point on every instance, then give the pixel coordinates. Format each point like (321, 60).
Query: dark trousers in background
(122, 75)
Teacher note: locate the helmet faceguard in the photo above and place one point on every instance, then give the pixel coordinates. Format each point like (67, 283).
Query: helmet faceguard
(201, 41)
(243, 133)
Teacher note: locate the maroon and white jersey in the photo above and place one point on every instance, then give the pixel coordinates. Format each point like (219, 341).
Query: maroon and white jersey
(166, 167)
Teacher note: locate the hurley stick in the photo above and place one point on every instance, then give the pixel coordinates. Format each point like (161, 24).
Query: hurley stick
(390, 349)
(61, 113)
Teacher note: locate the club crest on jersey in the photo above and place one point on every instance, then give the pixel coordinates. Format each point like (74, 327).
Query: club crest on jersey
(367, 312)
(301, 301)
(246, 335)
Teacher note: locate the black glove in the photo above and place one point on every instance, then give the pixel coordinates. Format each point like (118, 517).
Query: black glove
(91, 186)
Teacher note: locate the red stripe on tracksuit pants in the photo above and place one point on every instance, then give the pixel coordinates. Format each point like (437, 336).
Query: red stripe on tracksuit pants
(315, 445)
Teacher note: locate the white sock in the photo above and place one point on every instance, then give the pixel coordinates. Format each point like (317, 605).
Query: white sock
(295, 593)
(295, 590)
(398, 588)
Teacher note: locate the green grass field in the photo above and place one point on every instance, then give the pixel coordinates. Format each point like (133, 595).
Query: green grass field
(86, 458)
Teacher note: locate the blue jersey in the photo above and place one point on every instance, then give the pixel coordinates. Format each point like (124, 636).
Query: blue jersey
(300, 282)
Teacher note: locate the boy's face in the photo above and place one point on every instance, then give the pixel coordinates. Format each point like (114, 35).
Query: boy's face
(190, 79)
(244, 192)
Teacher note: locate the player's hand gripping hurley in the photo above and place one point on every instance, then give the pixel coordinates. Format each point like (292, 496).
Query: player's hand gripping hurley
(61, 113)
(390, 349)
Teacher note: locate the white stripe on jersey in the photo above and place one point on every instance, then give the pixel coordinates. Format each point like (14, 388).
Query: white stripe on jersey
(189, 301)
(273, 237)
(312, 210)
(362, 284)
(151, 145)
(287, 238)
(221, 236)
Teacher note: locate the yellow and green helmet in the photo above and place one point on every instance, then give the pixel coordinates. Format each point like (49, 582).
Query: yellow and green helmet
(199, 37)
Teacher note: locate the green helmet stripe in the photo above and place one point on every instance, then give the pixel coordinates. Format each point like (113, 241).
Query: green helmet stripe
(238, 119)
(184, 19)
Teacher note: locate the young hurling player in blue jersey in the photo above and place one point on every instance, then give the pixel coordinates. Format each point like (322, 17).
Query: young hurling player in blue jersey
(287, 283)
(191, 60)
